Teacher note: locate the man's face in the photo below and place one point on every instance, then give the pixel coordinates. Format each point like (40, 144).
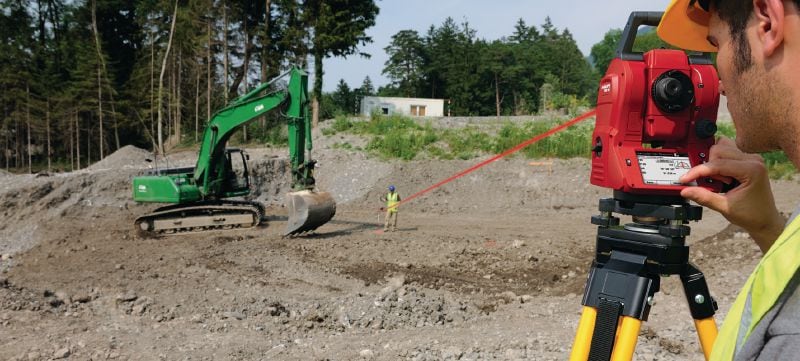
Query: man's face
(748, 89)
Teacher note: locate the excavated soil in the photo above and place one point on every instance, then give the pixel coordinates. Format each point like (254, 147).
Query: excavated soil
(490, 266)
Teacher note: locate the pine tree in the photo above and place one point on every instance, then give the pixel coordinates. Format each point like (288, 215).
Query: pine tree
(339, 28)
(404, 66)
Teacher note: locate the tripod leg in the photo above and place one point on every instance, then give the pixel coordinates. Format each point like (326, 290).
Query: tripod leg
(614, 289)
(707, 331)
(626, 339)
(701, 305)
(583, 337)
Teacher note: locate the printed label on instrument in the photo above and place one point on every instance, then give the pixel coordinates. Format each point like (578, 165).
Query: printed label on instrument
(663, 168)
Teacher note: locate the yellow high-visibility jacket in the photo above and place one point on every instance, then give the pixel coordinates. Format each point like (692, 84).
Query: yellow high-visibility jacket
(761, 291)
(391, 200)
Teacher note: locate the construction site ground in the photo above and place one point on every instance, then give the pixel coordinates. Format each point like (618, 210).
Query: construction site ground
(489, 267)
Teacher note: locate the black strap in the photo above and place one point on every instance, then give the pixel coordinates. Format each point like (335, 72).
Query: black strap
(605, 330)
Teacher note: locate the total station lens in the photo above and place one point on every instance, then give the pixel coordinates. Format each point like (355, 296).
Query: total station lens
(673, 91)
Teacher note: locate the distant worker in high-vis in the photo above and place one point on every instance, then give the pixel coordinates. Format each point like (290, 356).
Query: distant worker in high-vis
(392, 199)
(758, 54)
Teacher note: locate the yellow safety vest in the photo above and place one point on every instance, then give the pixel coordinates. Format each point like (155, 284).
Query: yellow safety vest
(391, 199)
(760, 292)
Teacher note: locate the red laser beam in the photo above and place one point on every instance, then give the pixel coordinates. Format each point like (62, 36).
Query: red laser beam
(515, 149)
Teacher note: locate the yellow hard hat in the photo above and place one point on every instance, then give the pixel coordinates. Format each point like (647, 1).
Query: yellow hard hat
(685, 25)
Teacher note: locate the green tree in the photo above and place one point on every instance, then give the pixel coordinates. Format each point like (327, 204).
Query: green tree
(404, 66)
(339, 28)
(524, 33)
(16, 42)
(647, 39)
(451, 66)
(366, 89)
(342, 99)
(603, 52)
(496, 62)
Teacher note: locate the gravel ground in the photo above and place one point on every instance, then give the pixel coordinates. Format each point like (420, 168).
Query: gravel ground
(491, 266)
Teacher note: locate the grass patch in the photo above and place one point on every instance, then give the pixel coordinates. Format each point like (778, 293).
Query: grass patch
(398, 137)
(402, 143)
(778, 165)
(343, 145)
(574, 141)
(726, 130)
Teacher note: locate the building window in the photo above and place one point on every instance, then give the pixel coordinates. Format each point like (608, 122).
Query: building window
(385, 110)
(418, 110)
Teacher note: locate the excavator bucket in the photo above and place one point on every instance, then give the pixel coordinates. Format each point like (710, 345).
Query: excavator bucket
(308, 210)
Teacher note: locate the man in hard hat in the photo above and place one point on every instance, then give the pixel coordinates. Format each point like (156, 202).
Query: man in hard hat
(758, 59)
(392, 199)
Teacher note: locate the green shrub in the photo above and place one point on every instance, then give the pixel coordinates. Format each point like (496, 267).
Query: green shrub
(382, 125)
(398, 137)
(779, 165)
(341, 124)
(466, 141)
(402, 143)
(574, 141)
(726, 130)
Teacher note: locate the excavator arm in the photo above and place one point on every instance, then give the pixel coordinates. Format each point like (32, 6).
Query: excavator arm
(210, 171)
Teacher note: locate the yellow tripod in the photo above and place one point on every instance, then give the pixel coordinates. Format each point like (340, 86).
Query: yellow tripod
(626, 274)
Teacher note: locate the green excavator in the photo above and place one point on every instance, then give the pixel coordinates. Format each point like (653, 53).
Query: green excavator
(200, 196)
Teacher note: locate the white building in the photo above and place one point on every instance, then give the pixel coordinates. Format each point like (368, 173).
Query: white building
(415, 107)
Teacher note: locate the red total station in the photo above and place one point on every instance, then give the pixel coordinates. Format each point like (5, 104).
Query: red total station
(656, 118)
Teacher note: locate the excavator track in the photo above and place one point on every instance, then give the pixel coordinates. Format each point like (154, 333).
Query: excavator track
(199, 217)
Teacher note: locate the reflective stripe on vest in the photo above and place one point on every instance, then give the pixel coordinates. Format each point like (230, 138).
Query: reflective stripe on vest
(391, 200)
(762, 289)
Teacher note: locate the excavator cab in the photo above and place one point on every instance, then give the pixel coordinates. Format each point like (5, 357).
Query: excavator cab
(237, 177)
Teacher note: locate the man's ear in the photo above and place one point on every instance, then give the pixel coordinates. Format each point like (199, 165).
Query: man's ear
(770, 24)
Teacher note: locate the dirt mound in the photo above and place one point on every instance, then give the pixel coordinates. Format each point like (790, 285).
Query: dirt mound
(126, 157)
(270, 180)
(31, 205)
(506, 186)
(350, 175)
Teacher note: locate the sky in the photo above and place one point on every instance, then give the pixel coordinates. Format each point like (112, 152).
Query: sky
(587, 20)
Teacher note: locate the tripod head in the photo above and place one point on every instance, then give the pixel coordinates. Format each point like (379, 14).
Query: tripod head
(658, 229)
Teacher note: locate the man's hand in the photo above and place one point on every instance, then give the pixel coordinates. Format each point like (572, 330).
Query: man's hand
(751, 204)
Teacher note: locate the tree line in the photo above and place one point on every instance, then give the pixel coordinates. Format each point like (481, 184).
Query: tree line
(82, 78)
(533, 69)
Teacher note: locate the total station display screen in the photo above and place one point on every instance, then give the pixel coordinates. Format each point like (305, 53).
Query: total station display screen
(663, 168)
